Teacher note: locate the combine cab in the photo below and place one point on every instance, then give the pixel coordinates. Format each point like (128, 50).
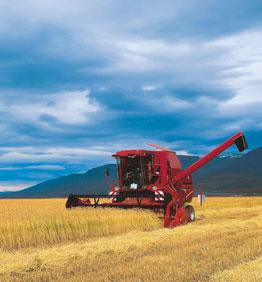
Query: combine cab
(154, 180)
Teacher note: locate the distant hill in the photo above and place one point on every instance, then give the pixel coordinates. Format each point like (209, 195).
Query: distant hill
(239, 174)
(230, 175)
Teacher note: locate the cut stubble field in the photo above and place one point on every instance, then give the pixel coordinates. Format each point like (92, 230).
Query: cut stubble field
(42, 241)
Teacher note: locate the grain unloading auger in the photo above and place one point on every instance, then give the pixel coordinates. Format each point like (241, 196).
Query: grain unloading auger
(155, 180)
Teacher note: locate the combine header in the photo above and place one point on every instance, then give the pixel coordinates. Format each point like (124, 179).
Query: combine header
(155, 180)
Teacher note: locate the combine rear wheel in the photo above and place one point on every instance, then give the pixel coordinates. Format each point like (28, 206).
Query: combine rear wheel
(191, 211)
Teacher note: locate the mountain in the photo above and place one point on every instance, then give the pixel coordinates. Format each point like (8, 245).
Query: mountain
(239, 174)
(92, 181)
(230, 175)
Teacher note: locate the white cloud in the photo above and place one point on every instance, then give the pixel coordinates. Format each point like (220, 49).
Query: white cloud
(70, 108)
(47, 155)
(245, 106)
(148, 88)
(164, 103)
(242, 61)
(232, 63)
(182, 153)
(45, 167)
(10, 168)
(172, 103)
(38, 167)
(154, 47)
(14, 186)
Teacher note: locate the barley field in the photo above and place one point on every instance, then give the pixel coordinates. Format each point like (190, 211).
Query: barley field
(42, 241)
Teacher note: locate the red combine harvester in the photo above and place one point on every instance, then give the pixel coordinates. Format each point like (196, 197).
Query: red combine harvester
(155, 180)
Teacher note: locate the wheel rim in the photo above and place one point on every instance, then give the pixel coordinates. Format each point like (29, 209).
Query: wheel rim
(192, 215)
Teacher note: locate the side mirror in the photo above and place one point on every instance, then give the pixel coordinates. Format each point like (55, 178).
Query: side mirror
(107, 172)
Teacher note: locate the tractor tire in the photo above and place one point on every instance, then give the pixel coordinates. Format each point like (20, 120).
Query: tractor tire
(191, 211)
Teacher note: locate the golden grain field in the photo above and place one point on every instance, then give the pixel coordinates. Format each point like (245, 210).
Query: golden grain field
(42, 241)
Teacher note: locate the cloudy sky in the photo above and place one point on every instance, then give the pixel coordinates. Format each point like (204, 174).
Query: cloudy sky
(82, 79)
